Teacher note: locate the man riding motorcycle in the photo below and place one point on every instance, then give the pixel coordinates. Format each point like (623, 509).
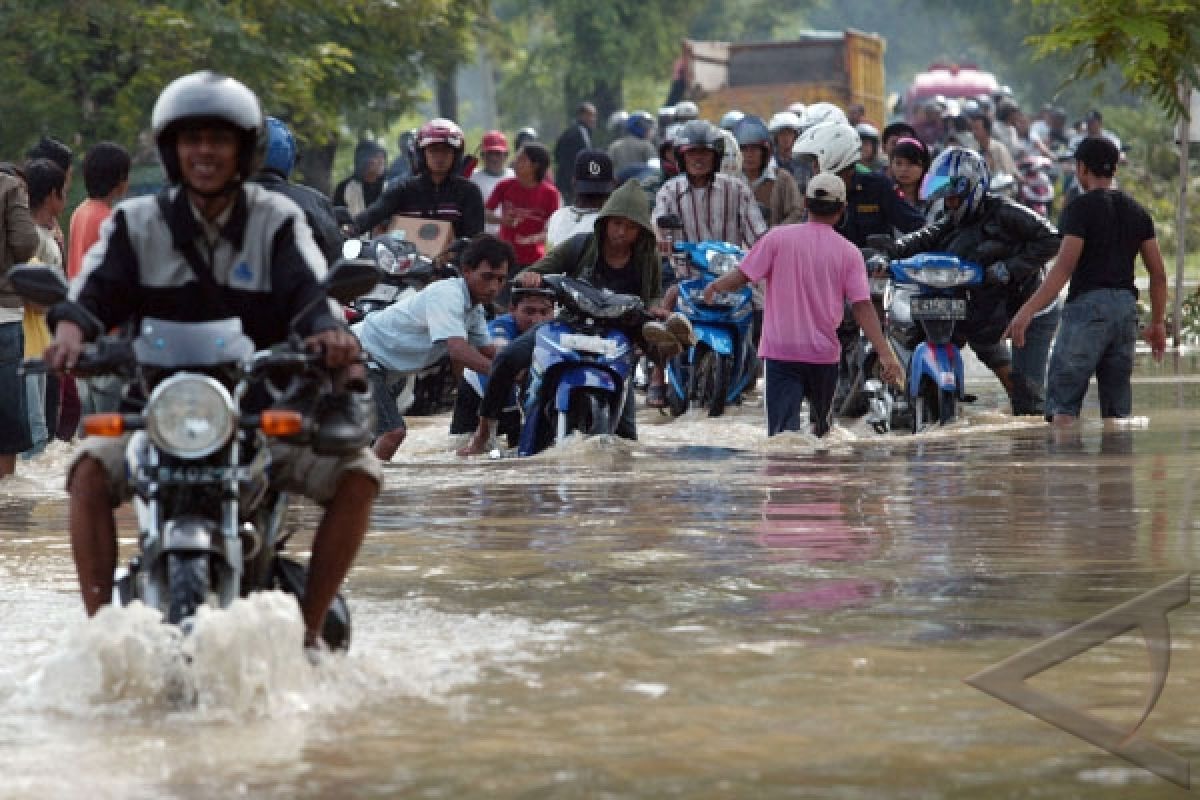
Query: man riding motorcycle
(211, 247)
(277, 167)
(437, 190)
(1011, 242)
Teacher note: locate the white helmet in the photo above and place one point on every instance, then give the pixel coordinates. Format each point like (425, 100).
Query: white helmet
(797, 109)
(686, 110)
(820, 113)
(836, 146)
(785, 119)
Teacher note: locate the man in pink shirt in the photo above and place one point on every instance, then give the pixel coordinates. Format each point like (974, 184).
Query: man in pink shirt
(810, 271)
(106, 176)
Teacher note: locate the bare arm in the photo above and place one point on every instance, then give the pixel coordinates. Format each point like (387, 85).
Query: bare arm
(728, 282)
(1064, 266)
(1156, 331)
(868, 320)
(464, 354)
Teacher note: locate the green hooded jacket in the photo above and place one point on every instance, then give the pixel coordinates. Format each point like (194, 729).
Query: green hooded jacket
(629, 201)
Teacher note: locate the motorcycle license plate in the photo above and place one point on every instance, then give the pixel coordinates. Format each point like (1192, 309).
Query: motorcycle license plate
(585, 343)
(939, 308)
(194, 475)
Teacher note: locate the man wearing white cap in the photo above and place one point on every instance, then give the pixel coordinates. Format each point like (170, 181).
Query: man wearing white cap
(810, 271)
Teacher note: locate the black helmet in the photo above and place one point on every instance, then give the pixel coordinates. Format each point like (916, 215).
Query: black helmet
(208, 96)
(696, 134)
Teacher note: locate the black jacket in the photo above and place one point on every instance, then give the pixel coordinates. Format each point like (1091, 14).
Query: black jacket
(1003, 230)
(575, 138)
(455, 200)
(317, 208)
(873, 205)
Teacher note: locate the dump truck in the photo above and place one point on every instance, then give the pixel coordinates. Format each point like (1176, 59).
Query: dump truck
(841, 67)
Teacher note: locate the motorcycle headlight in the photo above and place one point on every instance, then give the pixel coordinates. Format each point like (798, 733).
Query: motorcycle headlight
(941, 277)
(385, 258)
(721, 263)
(190, 416)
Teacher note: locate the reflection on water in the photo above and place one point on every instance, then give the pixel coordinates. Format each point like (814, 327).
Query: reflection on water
(703, 613)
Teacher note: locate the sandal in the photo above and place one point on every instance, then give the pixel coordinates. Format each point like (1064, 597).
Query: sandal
(656, 395)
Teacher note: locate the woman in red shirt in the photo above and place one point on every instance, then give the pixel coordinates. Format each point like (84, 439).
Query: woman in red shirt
(525, 203)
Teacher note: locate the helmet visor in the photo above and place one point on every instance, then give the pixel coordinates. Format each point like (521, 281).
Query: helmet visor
(935, 187)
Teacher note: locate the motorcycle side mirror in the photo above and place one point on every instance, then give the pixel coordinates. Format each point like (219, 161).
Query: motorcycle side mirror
(670, 222)
(352, 248)
(350, 278)
(38, 284)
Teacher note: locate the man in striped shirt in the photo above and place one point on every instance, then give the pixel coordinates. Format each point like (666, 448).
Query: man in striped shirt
(712, 205)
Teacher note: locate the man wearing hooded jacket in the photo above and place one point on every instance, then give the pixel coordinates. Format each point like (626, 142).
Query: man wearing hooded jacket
(620, 255)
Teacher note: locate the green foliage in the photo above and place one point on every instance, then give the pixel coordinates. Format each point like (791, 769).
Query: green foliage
(1154, 43)
(89, 70)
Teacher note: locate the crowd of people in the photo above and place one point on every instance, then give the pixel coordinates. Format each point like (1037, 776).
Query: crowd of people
(804, 192)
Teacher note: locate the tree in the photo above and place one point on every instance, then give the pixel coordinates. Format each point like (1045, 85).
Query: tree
(1154, 43)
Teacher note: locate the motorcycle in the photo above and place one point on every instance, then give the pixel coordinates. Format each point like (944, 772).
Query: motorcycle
(405, 271)
(580, 377)
(210, 527)
(859, 356)
(924, 303)
(1037, 182)
(723, 363)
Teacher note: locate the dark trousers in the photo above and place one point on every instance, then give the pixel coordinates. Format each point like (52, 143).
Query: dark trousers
(789, 383)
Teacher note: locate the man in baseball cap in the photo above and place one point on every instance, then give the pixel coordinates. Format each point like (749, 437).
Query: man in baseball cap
(809, 272)
(593, 183)
(494, 152)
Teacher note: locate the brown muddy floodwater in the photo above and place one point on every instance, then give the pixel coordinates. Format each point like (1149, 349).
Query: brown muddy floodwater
(702, 614)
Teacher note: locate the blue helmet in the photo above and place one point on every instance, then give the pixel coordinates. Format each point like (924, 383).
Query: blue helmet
(752, 130)
(958, 172)
(640, 123)
(281, 148)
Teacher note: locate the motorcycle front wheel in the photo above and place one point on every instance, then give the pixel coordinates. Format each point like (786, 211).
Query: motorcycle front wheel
(711, 382)
(677, 402)
(932, 406)
(588, 414)
(187, 584)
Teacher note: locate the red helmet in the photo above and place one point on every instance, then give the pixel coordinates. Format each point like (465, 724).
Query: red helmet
(444, 131)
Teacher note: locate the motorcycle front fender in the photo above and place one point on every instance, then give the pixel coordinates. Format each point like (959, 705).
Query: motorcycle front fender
(719, 340)
(942, 364)
(581, 377)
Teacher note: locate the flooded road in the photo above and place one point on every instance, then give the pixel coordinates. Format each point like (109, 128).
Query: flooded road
(703, 614)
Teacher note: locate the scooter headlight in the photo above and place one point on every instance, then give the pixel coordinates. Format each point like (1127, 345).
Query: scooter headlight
(722, 263)
(190, 416)
(941, 277)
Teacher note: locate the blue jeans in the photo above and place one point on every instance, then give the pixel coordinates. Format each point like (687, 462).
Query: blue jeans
(386, 386)
(14, 418)
(1029, 362)
(1097, 337)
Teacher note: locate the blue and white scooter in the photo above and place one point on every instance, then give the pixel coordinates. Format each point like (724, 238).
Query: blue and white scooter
(582, 363)
(930, 289)
(722, 364)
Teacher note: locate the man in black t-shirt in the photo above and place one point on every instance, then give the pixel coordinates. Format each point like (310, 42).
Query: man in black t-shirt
(1104, 230)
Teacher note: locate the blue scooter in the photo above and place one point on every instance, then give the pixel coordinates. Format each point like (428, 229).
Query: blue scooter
(930, 289)
(722, 364)
(579, 381)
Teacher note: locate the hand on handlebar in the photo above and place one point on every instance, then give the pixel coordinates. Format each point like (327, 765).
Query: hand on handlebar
(63, 353)
(340, 346)
(528, 279)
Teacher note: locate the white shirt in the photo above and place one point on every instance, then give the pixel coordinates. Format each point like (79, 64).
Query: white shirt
(486, 181)
(413, 333)
(568, 221)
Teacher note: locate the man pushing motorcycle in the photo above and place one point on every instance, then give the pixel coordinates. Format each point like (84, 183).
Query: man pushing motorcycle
(213, 246)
